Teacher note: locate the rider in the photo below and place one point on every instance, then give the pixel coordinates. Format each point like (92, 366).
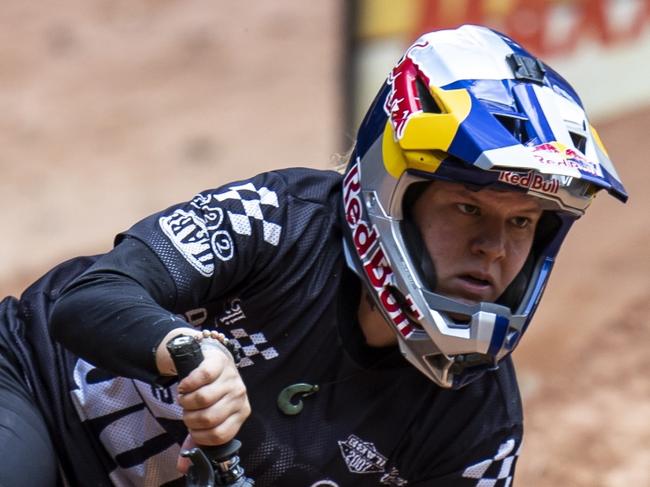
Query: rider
(400, 289)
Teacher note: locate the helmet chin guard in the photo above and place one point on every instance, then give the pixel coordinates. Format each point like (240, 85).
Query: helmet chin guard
(468, 106)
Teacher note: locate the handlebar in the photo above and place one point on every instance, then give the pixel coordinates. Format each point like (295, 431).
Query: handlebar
(211, 465)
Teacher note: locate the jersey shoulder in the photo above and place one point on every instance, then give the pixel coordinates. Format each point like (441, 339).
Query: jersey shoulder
(315, 185)
(46, 289)
(458, 430)
(244, 233)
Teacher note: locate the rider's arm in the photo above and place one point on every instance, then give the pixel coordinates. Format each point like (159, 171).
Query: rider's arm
(224, 240)
(115, 315)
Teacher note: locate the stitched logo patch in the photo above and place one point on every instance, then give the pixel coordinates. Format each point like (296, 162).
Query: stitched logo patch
(189, 234)
(361, 456)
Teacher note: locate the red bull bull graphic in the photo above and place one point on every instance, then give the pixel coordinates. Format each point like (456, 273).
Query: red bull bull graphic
(398, 105)
(558, 155)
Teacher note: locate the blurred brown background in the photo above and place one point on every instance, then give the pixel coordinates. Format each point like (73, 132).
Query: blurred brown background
(110, 110)
(113, 109)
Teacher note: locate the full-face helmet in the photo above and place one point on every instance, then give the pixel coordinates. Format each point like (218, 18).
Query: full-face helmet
(470, 106)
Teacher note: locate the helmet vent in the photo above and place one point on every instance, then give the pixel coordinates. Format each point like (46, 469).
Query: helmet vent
(437, 361)
(515, 125)
(579, 141)
(427, 101)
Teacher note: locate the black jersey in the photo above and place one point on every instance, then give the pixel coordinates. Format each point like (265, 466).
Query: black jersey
(261, 261)
(47, 368)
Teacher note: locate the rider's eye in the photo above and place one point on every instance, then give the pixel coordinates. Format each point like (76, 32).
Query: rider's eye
(520, 221)
(468, 209)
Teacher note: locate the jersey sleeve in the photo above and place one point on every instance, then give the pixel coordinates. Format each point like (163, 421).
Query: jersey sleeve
(491, 462)
(222, 238)
(246, 234)
(115, 313)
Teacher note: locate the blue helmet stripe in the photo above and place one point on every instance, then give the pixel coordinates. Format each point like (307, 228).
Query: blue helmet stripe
(468, 144)
(373, 123)
(498, 335)
(559, 83)
(529, 104)
(539, 285)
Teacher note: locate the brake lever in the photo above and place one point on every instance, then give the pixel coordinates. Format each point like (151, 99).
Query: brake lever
(211, 465)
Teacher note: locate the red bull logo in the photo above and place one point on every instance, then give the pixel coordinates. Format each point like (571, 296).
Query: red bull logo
(380, 273)
(375, 263)
(402, 101)
(531, 181)
(363, 236)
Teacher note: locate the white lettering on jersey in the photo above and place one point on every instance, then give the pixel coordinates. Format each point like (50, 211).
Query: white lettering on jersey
(196, 317)
(233, 313)
(125, 412)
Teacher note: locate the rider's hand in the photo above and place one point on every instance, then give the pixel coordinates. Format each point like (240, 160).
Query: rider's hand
(214, 400)
(213, 397)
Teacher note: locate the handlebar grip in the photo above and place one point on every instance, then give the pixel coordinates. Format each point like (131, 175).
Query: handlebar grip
(223, 460)
(186, 354)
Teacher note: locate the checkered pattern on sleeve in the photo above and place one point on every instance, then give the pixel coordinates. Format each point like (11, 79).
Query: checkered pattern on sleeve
(253, 346)
(497, 471)
(252, 202)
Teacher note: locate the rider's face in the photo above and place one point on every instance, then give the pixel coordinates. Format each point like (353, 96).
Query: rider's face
(478, 240)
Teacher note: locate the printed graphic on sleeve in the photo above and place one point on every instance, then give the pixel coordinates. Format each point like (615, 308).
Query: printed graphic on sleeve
(232, 313)
(196, 236)
(252, 346)
(220, 242)
(496, 471)
(252, 202)
(188, 232)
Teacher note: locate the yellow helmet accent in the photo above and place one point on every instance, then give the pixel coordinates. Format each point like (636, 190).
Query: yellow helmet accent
(597, 139)
(397, 160)
(427, 136)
